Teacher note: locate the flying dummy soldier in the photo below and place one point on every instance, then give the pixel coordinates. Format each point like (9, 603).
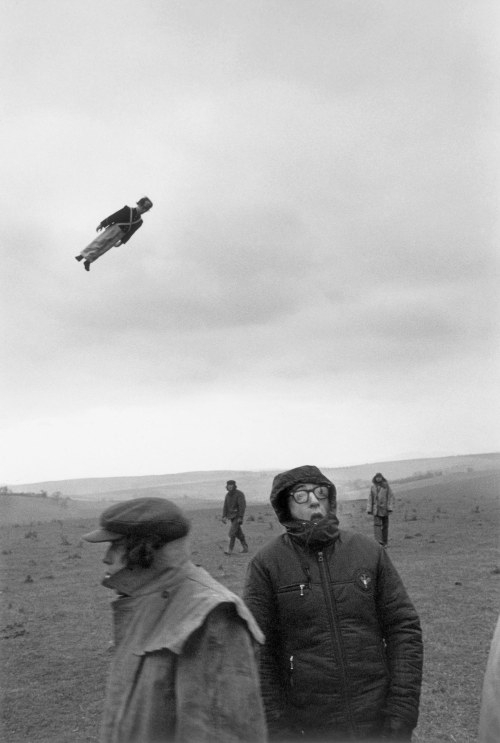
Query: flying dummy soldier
(118, 229)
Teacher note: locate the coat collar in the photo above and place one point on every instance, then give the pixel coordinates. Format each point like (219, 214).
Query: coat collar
(140, 581)
(160, 610)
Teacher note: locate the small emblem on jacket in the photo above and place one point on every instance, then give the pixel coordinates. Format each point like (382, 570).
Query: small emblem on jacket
(364, 579)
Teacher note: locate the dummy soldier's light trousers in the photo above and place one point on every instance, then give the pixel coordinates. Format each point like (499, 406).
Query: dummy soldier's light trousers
(102, 243)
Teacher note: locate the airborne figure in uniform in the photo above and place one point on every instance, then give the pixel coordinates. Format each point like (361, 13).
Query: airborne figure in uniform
(118, 229)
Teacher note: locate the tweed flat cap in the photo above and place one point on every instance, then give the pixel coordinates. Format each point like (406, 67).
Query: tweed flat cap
(141, 517)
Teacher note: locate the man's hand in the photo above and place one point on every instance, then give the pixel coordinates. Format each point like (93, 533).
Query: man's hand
(224, 520)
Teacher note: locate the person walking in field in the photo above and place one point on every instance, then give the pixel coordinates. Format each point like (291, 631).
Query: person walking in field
(234, 510)
(380, 504)
(118, 229)
(342, 659)
(184, 668)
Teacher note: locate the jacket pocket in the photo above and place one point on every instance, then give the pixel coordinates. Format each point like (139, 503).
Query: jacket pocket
(300, 588)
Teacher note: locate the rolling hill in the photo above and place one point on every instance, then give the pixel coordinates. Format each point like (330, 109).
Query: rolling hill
(195, 488)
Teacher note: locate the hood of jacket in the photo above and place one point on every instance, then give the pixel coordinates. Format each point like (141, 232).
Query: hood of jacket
(383, 480)
(285, 480)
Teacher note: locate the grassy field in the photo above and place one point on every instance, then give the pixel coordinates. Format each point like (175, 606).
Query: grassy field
(55, 624)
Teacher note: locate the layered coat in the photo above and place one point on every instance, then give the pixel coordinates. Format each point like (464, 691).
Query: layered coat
(380, 498)
(184, 667)
(343, 651)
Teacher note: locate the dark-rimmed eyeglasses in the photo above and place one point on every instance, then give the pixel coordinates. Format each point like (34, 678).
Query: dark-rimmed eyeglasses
(302, 496)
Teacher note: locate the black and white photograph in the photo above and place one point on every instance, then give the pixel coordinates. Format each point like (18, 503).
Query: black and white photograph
(250, 470)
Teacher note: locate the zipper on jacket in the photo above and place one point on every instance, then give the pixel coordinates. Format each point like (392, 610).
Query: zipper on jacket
(291, 670)
(335, 633)
(294, 587)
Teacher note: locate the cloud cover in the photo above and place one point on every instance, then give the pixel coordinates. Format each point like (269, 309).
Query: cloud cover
(317, 279)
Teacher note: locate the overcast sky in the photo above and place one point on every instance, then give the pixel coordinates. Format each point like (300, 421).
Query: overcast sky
(317, 281)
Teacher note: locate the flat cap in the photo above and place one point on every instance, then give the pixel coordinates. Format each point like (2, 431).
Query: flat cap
(141, 517)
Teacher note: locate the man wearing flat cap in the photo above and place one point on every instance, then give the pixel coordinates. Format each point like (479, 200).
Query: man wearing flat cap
(184, 667)
(234, 510)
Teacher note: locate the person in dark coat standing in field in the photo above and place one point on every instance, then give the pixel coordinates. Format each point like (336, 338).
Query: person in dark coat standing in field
(184, 666)
(343, 654)
(380, 504)
(234, 510)
(118, 229)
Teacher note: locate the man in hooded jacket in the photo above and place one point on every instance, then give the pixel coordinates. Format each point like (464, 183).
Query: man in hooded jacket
(343, 654)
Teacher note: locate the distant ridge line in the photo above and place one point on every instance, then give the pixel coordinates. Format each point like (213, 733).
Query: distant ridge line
(210, 483)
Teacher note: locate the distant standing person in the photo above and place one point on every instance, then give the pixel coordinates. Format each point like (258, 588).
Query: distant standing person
(234, 510)
(380, 504)
(118, 229)
(184, 668)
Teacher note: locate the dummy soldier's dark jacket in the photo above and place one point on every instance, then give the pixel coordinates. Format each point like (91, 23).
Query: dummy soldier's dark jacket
(128, 219)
